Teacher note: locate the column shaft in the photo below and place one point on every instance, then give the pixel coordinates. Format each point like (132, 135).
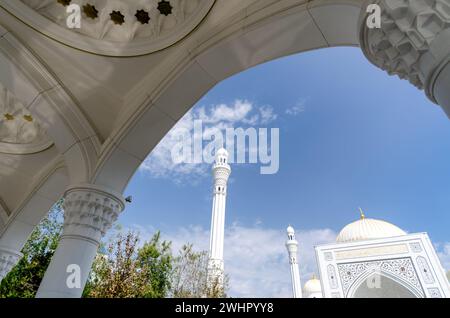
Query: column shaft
(441, 88)
(8, 259)
(89, 211)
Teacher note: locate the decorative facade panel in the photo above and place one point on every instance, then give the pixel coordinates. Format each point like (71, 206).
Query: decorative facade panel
(401, 268)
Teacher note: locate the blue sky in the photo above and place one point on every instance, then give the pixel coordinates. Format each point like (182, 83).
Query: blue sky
(350, 136)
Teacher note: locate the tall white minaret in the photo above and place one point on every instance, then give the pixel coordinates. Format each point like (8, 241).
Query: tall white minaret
(221, 172)
(292, 248)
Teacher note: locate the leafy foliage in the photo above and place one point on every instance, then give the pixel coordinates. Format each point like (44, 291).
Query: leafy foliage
(190, 276)
(24, 279)
(127, 271)
(122, 269)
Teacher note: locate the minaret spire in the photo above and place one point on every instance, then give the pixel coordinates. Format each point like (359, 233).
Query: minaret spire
(221, 172)
(292, 248)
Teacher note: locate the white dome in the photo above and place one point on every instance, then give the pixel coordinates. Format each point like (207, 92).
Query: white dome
(290, 230)
(312, 287)
(368, 229)
(222, 152)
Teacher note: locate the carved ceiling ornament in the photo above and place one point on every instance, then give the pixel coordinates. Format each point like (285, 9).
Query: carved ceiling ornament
(115, 27)
(408, 30)
(20, 133)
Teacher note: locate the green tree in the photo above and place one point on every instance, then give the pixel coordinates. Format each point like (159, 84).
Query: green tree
(126, 270)
(121, 269)
(157, 258)
(189, 278)
(24, 279)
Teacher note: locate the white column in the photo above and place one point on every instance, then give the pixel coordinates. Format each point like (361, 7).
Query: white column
(292, 248)
(8, 259)
(221, 173)
(441, 86)
(89, 211)
(413, 43)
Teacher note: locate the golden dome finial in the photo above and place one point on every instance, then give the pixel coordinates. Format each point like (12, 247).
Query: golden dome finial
(314, 276)
(362, 214)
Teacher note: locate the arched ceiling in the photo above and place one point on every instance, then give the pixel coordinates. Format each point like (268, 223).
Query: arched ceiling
(108, 97)
(20, 132)
(105, 109)
(259, 34)
(116, 27)
(41, 131)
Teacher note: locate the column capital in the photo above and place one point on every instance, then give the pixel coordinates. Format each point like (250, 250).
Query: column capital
(90, 210)
(8, 259)
(412, 41)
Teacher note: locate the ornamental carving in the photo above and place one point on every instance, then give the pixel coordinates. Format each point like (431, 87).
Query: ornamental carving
(89, 213)
(415, 247)
(20, 132)
(424, 270)
(328, 256)
(115, 27)
(221, 175)
(408, 28)
(434, 293)
(332, 277)
(401, 268)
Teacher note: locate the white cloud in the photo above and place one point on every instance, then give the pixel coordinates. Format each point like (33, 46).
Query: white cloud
(222, 112)
(443, 251)
(297, 108)
(255, 257)
(240, 113)
(267, 114)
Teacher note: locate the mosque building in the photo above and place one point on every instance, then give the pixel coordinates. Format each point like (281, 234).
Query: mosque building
(370, 259)
(373, 259)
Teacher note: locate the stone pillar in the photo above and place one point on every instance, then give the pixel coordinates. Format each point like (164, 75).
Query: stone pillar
(89, 211)
(413, 43)
(8, 259)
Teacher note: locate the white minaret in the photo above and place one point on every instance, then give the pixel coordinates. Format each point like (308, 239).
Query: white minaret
(221, 172)
(292, 247)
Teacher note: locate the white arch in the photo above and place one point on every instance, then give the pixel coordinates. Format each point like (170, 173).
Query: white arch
(76, 142)
(263, 31)
(397, 279)
(4, 214)
(24, 219)
(237, 44)
(29, 80)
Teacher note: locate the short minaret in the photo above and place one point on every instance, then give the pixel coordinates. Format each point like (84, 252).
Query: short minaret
(292, 248)
(221, 172)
